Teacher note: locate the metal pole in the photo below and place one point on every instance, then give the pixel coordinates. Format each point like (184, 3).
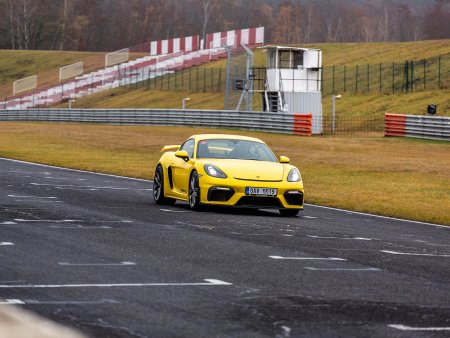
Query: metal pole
(439, 72)
(393, 77)
(368, 78)
(333, 112)
(227, 81)
(334, 69)
(424, 73)
(381, 80)
(345, 78)
(249, 74)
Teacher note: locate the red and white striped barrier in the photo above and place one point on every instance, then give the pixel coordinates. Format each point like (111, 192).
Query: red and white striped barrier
(416, 126)
(232, 38)
(169, 46)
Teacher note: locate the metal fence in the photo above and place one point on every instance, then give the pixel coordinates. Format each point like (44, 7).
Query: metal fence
(258, 121)
(395, 77)
(427, 127)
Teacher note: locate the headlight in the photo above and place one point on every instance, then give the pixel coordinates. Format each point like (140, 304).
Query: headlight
(213, 171)
(294, 175)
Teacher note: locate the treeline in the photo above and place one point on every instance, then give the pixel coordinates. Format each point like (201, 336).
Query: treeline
(106, 25)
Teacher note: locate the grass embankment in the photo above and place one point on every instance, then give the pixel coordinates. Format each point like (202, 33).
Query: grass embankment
(17, 64)
(387, 176)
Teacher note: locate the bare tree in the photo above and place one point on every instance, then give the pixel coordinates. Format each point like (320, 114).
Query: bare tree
(204, 8)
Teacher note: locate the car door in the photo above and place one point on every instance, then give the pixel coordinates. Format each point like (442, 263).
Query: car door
(181, 170)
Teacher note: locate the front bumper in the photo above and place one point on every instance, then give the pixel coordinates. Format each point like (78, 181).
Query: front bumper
(231, 192)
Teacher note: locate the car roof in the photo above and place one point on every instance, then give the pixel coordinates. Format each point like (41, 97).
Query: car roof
(225, 136)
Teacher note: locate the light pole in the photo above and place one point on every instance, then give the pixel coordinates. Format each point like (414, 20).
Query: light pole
(183, 102)
(333, 111)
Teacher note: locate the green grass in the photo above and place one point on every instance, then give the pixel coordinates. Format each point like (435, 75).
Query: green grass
(386, 176)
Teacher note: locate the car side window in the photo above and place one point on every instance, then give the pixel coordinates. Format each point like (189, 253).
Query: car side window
(189, 147)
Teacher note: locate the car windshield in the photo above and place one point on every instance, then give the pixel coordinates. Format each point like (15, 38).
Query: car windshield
(235, 149)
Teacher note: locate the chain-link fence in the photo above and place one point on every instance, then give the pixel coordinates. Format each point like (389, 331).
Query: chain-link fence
(395, 77)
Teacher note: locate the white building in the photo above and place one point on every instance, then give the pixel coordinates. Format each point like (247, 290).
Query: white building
(293, 82)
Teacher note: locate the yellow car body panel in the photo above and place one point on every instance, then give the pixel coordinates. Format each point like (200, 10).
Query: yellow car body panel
(241, 174)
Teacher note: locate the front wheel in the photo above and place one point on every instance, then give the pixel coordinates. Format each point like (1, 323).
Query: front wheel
(158, 188)
(289, 212)
(194, 192)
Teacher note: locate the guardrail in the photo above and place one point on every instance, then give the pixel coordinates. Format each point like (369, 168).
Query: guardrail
(258, 121)
(426, 127)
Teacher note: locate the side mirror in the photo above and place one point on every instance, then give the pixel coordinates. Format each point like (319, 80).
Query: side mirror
(182, 154)
(284, 159)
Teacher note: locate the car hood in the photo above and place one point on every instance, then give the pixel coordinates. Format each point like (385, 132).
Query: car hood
(249, 169)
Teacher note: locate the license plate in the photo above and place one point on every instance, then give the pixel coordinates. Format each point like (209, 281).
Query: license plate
(261, 191)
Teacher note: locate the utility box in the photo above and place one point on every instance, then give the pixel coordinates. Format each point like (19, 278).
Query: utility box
(294, 82)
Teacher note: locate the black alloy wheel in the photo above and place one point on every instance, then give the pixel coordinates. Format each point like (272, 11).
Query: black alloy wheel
(194, 192)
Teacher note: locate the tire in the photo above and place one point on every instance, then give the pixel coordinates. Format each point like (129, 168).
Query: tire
(289, 212)
(194, 192)
(158, 188)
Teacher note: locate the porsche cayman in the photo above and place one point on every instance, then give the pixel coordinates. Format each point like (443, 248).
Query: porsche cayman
(229, 170)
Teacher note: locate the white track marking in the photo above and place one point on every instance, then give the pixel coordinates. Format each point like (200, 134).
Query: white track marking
(74, 302)
(96, 264)
(7, 223)
(5, 243)
(414, 254)
(37, 197)
(345, 238)
(410, 328)
(209, 282)
(176, 211)
(89, 187)
(378, 216)
(310, 258)
(37, 302)
(79, 227)
(341, 269)
(63, 179)
(311, 217)
(11, 302)
(47, 220)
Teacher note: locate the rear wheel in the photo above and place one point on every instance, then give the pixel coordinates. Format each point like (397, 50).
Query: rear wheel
(158, 188)
(194, 192)
(289, 212)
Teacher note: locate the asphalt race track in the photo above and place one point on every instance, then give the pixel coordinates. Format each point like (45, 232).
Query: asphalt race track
(94, 252)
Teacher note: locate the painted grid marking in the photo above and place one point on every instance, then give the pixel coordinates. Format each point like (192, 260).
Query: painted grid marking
(410, 328)
(310, 258)
(345, 238)
(341, 269)
(97, 264)
(414, 254)
(208, 282)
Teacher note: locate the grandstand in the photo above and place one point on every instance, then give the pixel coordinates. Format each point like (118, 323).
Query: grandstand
(164, 57)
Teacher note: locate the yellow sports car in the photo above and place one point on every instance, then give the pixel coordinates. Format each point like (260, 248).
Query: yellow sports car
(227, 170)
